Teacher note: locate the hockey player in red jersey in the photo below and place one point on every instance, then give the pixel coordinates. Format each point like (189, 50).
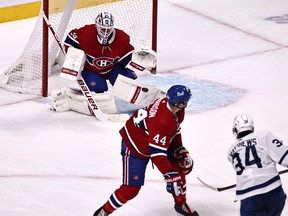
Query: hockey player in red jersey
(108, 51)
(105, 55)
(154, 133)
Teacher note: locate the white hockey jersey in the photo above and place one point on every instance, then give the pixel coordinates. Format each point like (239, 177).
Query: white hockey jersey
(254, 159)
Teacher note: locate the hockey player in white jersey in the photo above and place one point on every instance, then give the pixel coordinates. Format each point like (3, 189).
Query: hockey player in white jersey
(254, 156)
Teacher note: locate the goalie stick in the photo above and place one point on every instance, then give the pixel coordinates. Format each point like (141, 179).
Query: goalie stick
(85, 90)
(219, 189)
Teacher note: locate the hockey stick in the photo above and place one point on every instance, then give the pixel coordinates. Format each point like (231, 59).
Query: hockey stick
(219, 189)
(84, 88)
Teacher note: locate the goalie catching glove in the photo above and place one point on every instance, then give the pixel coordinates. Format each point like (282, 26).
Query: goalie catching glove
(174, 183)
(184, 159)
(143, 58)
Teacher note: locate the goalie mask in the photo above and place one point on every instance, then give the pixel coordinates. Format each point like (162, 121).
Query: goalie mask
(242, 123)
(104, 23)
(179, 96)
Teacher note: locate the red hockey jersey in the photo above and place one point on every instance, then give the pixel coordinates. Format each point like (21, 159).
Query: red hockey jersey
(100, 58)
(150, 131)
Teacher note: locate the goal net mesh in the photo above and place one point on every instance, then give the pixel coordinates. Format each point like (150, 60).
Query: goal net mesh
(132, 16)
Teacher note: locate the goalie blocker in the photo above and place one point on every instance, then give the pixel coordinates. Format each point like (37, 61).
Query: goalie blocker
(124, 88)
(135, 92)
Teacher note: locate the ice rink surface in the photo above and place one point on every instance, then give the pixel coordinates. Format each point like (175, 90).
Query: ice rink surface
(232, 54)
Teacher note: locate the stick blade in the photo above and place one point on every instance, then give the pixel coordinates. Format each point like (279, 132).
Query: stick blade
(207, 185)
(118, 117)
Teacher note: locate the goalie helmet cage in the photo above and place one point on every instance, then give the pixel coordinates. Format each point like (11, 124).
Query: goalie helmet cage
(29, 73)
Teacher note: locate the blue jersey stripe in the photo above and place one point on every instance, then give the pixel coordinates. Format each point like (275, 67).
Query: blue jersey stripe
(265, 184)
(114, 202)
(283, 157)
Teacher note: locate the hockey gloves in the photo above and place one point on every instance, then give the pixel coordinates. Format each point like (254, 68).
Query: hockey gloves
(184, 160)
(143, 58)
(174, 183)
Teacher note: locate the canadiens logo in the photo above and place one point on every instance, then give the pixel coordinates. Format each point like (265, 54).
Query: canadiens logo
(101, 63)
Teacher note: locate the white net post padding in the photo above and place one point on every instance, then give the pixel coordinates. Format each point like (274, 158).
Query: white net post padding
(132, 16)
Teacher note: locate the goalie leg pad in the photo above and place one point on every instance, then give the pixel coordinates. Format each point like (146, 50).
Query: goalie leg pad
(136, 93)
(106, 102)
(60, 100)
(59, 93)
(72, 99)
(80, 106)
(61, 105)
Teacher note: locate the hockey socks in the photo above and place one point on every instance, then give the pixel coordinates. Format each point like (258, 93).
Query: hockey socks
(120, 197)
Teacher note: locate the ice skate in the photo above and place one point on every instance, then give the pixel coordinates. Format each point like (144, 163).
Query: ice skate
(100, 212)
(185, 210)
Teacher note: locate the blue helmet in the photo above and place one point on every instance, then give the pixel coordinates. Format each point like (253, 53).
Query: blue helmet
(178, 94)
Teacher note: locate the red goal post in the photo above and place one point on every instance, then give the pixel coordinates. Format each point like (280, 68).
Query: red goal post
(41, 57)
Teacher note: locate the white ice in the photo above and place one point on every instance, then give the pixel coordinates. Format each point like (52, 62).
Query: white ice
(67, 164)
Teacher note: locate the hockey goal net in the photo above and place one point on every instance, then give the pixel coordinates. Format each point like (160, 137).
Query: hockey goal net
(29, 73)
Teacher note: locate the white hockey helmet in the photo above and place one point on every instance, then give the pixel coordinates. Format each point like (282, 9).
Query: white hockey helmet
(104, 23)
(241, 123)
